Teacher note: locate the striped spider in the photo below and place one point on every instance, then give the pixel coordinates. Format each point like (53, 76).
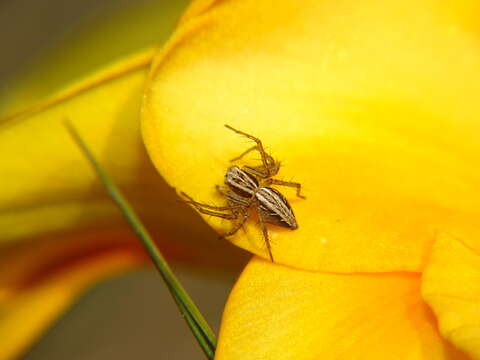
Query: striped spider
(247, 188)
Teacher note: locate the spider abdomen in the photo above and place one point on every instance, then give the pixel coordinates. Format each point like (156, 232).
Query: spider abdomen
(275, 208)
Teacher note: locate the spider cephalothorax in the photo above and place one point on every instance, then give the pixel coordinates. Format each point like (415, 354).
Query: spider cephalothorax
(247, 188)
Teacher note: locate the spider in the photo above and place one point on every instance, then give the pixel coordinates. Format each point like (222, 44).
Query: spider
(247, 188)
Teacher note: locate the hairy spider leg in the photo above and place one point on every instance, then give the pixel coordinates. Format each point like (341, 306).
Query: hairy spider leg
(203, 208)
(269, 157)
(212, 207)
(261, 172)
(233, 198)
(270, 167)
(263, 226)
(255, 147)
(213, 213)
(298, 186)
(243, 209)
(238, 225)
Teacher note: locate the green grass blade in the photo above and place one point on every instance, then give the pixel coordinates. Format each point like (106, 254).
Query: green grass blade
(198, 325)
(199, 334)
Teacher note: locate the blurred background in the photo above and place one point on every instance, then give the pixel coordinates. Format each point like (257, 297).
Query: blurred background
(37, 36)
(134, 317)
(129, 316)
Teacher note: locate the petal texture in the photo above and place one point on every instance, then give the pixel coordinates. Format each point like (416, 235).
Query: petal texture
(451, 286)
(371, 105)
(275, 312)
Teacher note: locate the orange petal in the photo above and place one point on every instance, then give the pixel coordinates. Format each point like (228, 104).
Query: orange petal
(451, 286)
(38, 283)
(371, 105)
(276, 312)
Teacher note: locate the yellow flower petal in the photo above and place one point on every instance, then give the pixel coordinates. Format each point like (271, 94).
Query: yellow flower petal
(45, 183)
(39, 282)
(48, 187)
(276, 312)
(451, 286)
(50, 197)
(371, 105)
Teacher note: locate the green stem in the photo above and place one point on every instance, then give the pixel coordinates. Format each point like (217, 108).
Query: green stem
(199, 334)
(198, 325)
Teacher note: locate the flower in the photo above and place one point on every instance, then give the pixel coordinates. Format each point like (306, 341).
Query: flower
(373, 107)
(59, 231)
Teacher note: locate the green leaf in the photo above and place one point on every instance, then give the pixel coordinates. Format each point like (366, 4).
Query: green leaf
(197, 323)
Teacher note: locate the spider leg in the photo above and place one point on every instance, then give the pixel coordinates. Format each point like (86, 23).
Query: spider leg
(211, 207)
(298, 186)
(236, 200)
(263, 226)
(244, 153)
(269, 165)
(261, 171)
(223, 190)
(203, 208)
(238, 225)
(217, 214)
